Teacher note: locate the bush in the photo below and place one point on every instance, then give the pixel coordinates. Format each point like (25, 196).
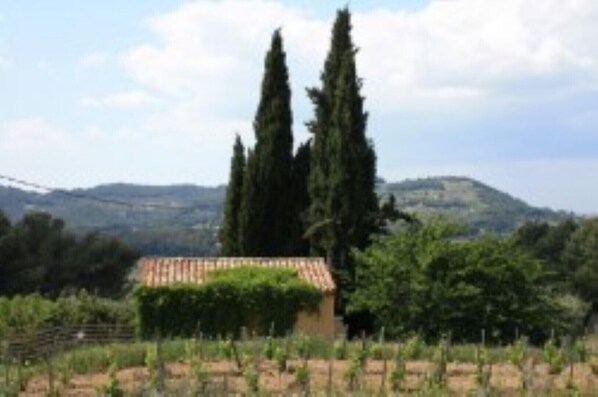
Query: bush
(251, 297)
(26, 314)
(428, 281)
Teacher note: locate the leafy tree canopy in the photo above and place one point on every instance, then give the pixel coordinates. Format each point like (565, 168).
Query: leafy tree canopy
(428, 281)
(37, 254)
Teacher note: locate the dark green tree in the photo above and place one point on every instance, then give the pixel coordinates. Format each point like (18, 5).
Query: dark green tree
(229, 236)
(320, 223)
(300, 175)
(37, 254)
(266, 216)
(344, 205)
(547, 243)
(580, 258)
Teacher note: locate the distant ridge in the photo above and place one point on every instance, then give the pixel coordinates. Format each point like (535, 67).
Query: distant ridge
(468, 201)
(191, 226)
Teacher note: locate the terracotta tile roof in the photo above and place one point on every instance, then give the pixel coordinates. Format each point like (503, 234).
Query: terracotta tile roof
(159, 271)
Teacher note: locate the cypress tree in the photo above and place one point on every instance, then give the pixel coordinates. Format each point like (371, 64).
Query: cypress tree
(343, 203)
(229, 236)
(266, 213)
(299, 244)
(319, 219)
(352, 201)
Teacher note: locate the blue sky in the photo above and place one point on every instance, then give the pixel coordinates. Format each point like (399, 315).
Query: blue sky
(154, 91)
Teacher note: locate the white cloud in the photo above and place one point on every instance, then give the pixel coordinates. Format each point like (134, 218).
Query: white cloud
(125, 99)
(94, 59)
(478, 45)
(211, 49)
(462, 50)
(31, 136)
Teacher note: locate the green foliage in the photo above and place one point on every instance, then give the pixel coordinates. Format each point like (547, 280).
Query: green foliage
(299, 186)
(229, 236)
(482, 208)
(303, 347)
(397, 376)
(483, 369)
(353, 373)
(151, 364)
(37, 254)
(518, 353)
(281, 357)
(581, 260)
(554, 357)
(343, 204)
(252, 379)
(26, 314)
(302, 377)
(426, 281)
(341, 349)
(413, 348)
(581, 350)
(267, 216)
(248, 296)
(201, 375)
(113, 389)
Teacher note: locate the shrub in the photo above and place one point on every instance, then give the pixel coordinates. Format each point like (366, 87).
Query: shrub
(230, 299)
(252, 379)
(302, 377)
(413, 348)
(554, 357)
(26, 314)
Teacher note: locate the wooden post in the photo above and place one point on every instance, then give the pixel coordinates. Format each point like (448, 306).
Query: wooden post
(160, 366)
(50, 373)
(329, 388)
(384, 362)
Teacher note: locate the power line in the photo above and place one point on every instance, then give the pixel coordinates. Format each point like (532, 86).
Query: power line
(90, 197)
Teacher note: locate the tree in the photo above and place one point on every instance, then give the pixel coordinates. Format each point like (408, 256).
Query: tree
(37, 254)
(266, 215)
(344, 205)
(424, 280)
(229, 237)
(320, 221)
(580, 257)
(547, 243)
(300, 175)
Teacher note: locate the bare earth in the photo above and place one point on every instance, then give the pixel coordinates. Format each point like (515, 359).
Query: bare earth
(224, 376)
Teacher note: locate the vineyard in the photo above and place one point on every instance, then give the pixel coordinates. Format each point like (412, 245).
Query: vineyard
(301, 365)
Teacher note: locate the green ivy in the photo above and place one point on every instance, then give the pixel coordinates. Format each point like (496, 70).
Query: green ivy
(251, 297)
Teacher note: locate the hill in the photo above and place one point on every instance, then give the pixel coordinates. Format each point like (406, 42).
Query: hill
(184, 219)
(176, 219)
(465, 200)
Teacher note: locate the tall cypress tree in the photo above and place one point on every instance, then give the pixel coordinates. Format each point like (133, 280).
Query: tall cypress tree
(301, 162)
(343, 206)
(266, 214)
(229, 236)
(320, 224)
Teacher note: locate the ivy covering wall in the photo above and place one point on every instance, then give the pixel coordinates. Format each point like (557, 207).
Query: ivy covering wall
(251, 297)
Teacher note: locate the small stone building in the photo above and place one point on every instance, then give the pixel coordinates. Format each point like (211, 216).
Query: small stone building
(162, 271)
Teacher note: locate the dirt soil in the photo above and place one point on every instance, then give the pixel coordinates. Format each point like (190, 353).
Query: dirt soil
(225, 378)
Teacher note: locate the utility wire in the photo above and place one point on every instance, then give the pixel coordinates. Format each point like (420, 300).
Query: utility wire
(89, 197)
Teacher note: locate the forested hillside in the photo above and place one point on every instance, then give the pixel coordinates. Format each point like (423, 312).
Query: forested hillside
(467, 201)
(184, 219)
(177, 219)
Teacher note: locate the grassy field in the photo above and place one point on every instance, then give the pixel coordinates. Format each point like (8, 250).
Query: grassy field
(297, 364)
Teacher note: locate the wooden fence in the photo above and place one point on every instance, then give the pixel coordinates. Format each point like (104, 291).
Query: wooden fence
(48, 341)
